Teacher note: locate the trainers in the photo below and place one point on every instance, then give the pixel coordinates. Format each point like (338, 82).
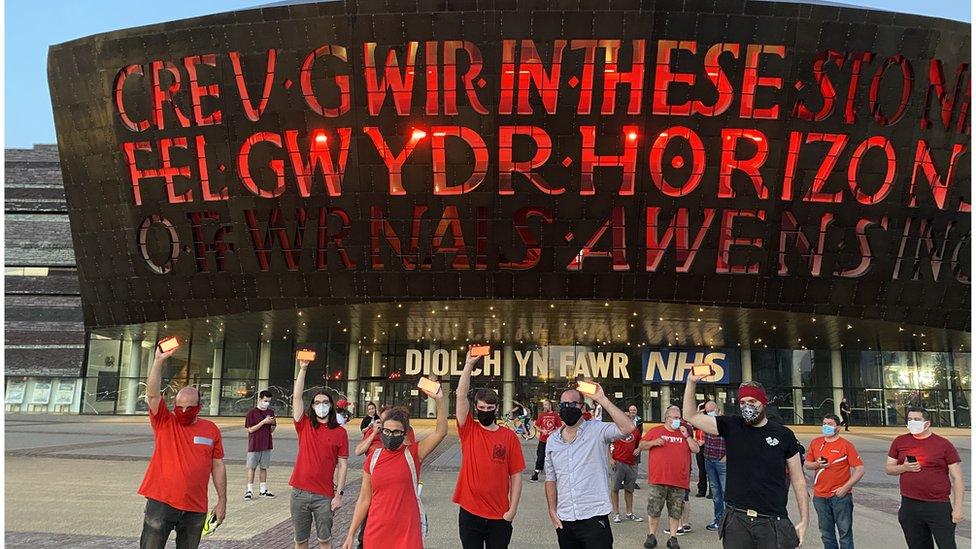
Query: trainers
(680, 532)
(685, 528)
(673, 543)
(616, 518)
(712, 527)
(635, 518)
(535, 477)
(650, 542)
(636, 486)
(247, 495)
(267, 494)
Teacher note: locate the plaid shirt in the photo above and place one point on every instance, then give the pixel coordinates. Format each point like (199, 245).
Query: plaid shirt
(714, 447)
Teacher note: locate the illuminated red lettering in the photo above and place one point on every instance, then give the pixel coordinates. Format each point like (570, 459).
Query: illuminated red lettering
(586, 75)
(634, 78)
(451, 222)
(837, 144)
(937, 88)
(857, 59)
(166, 171)
(394, 164)
(752, 81)
(880, 142)
(198, 92)
(656, 161)
(530, 73)
(789, 229)
(319, 156)
(250, 111)
(533, 251)
(162, 96)
(120, 80)
(664, 77)
(726, 241)
(322, 245)
(439, 154)
(907, 80)
(749, 166)
(475, 61)
(937, 184)
(341, 81)
(828, 93)
(507, 166)
(208, 195)
(616, 223)
(291, 248)
(276, 165)
(379, 227)
(677, 231)
(718, 78)
(399, 82)
(864, 248)
(590, 160)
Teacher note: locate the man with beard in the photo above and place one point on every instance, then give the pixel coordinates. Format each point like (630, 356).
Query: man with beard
(490, 482)
(757, 452)
(577, 487)
(188, 451)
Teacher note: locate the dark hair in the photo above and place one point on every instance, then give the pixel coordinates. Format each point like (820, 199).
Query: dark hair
(488, 396)
(265, 394)
(833, 417)
(330, 418)
(398, 414)
(919, 409)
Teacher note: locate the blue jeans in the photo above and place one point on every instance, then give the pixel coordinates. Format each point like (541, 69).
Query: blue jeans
(836, 516)
(715, 470)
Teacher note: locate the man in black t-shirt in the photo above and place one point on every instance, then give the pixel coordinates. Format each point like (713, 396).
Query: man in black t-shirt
(758, 452)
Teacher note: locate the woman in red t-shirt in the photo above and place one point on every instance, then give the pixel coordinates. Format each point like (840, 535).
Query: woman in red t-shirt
(388, 493)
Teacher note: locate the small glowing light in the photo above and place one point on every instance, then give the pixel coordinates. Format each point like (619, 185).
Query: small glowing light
(418, 134)
(320, 137)
(632, 136)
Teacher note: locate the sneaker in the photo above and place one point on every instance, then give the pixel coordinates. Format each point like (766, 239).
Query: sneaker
(636, 486)
(673, 543)
(685, 528)
(712, 527)
(535, 477)
(635, 518)
(709, 496)
(650, 542)
(267, 494)
(616, 518)
(680, 532)
(247, 495)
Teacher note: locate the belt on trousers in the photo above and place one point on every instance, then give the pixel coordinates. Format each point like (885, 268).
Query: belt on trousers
(750, 513)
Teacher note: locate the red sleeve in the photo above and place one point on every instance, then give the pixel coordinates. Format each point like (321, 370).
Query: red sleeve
(649, 434)
(250, 420)
(893, 449)
(343, 443)
(367, 432)
(853, 458)
(218, 447)
(516, 463)
(162, 414)
(463, 430)
(951, 454)
(810, 456)
(302, 423)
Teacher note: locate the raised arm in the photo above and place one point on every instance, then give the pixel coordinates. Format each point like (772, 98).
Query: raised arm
(461, 406)
(297, 401)
(622, 420)
(799, 482)
(154, 380)
(692, 443)
(364, 444)
(690, 412)
(427, 445)
(359, 515)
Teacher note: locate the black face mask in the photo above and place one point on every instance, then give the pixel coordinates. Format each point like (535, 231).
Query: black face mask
(486, 417)
(391, 442)
(570, 416)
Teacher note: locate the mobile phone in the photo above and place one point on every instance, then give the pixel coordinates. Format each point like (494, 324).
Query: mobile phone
(168, 344)
(305, 354)
(702, 370)
(910, 459)
(586, 388)
(429, 385)
(480, 350)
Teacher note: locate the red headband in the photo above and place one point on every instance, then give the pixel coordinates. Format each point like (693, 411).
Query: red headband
(754, 392)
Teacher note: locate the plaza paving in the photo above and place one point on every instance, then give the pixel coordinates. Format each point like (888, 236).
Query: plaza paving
(71, 482)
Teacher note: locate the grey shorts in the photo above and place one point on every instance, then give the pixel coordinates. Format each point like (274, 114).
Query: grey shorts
(624, 477)
(306, 506)
(259, 459)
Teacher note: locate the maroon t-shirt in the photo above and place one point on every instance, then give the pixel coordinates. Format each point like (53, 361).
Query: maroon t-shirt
(935, 454)
(259, 440)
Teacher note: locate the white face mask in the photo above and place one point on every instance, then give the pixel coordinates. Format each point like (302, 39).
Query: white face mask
(713, 413)
(916, 427)
(263, 405)
(322, 410)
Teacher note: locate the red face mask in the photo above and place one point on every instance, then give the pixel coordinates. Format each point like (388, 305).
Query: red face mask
(186, 417)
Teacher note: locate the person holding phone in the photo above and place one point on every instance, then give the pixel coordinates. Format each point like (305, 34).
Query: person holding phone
(759, 451)
(929, 472)
(188, 452)
(577, 475)
(370, 417)
(389, 492)
(547, 422)
(669, 448)
(489, 485)
(838, 468)
(321, 465)
(259, 424)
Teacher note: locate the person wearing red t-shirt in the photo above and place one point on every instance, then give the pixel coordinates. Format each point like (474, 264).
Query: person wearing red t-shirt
(188, 452)
(928, 469)
(623, 463)
(669, 449)
(833, 458)
(490, 482)
(547, 422)
(259, 424)
(319, 475)
(389, 492)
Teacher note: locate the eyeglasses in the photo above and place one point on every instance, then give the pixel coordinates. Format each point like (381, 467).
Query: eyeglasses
(566, 405)
(389, 433)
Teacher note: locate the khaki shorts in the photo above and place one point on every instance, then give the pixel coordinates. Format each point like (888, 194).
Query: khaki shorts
(308, 506)
(660, 495)
(259, 459)
(624, 477)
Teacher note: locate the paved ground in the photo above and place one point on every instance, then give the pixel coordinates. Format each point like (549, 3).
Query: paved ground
(71, 482)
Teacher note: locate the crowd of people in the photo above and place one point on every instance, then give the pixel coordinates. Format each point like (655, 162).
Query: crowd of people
(750, 463)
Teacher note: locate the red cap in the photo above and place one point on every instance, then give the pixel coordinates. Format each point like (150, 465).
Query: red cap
(754, 392)
(344, 403)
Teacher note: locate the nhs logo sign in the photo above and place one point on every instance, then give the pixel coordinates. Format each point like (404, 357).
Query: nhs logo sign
(674, 365)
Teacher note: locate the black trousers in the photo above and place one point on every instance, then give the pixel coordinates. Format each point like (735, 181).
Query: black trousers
(702, 475)
(591, 533)
(540, 456)
(481, 533)
(925, 521)
(739, 531)
(162, 518)
(845, 419)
